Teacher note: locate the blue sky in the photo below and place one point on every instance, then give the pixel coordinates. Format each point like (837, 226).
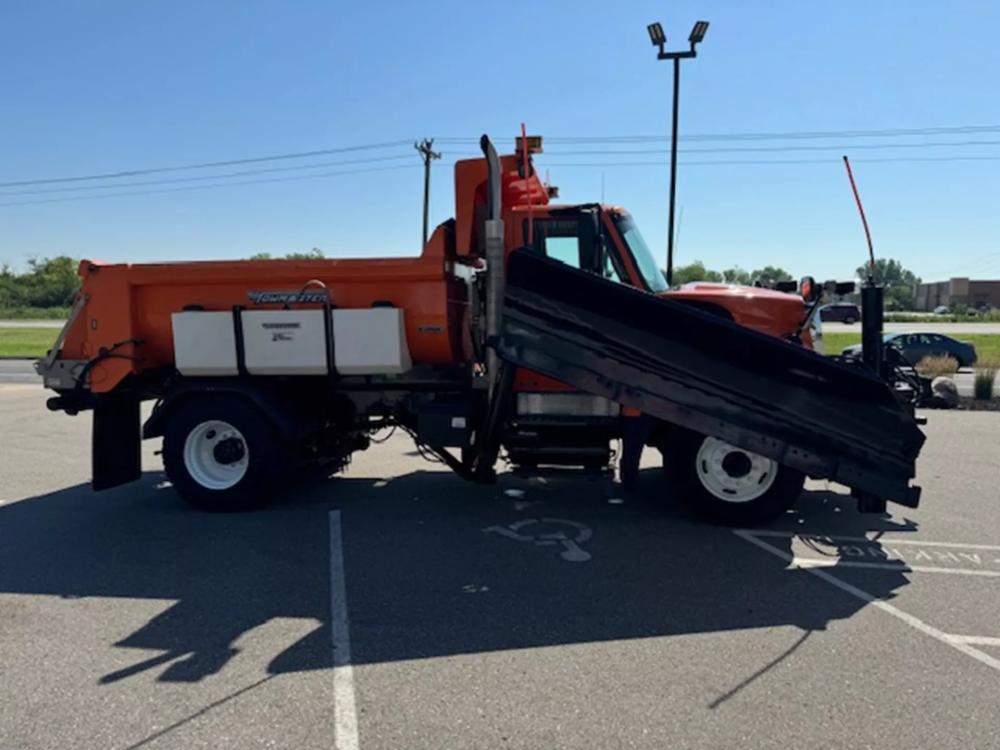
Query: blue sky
(92, 87)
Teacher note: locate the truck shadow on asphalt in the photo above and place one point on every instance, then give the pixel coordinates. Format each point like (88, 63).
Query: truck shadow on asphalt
(433, 567)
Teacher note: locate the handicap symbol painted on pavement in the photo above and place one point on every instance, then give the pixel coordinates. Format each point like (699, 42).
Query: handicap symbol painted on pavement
(527, 531)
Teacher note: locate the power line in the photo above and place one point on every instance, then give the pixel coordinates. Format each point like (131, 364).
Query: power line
(732, 162)
(615, 140)
(988, 257)
(209, 187)
(778, 149)
(774, 136)
(766, 149)
(205, 165)
(202, 178)
(712, 163)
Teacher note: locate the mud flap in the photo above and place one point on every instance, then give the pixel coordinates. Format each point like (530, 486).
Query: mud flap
(115, 443)
(685, 366)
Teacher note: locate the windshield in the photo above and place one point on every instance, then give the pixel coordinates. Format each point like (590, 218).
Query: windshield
(644, 261)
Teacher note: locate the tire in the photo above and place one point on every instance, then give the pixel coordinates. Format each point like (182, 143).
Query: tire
(222, 454)
(727, 484)
(850, 320)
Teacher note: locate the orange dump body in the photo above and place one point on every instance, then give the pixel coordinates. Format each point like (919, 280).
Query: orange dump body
(126, 301)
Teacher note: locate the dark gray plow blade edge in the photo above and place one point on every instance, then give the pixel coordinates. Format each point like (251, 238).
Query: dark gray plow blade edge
(685, 366)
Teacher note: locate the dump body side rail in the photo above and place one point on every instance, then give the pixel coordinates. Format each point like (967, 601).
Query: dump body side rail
(685, 366)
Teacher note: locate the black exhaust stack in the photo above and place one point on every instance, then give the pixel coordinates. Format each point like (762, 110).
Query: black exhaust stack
(872, 352)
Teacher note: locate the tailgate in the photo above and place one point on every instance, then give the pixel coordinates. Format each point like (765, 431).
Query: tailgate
(685, 366)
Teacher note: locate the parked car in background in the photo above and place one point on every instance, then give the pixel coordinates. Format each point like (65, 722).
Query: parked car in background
(915, 346)
(840, 312)
(942, 310)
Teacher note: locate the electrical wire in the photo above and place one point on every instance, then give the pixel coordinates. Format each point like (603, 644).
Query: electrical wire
(618, 139)
(209, 187)
(203, 178)
(976, 263)
(789, 135)
(557, 154)
(731, 162)
(605, 164)
(208, 164)
(768, 149)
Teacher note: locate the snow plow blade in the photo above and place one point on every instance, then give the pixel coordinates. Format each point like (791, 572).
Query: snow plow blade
(685, 366)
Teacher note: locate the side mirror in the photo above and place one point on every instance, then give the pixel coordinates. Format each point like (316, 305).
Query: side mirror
(810, 290)
(788, 287)
(840, 288)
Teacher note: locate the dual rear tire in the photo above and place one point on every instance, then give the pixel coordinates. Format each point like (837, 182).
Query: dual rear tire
(222, 454)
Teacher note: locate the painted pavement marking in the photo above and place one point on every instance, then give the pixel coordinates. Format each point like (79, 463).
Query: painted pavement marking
(963, 644)
(345, 718)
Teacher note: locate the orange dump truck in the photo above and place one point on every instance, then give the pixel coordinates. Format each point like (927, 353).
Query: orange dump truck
(540, 329)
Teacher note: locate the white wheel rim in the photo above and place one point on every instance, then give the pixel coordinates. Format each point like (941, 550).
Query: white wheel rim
(733, 474)
(216, 455)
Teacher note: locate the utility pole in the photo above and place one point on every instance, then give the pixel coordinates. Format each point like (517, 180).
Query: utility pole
(659, 40)
(424, 149)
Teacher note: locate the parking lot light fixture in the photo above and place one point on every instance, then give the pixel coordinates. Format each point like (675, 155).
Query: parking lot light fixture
(656, 35)
(659, 40)
(698, 33)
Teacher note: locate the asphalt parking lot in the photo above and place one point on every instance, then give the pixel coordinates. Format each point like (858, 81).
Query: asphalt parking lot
(396, 606)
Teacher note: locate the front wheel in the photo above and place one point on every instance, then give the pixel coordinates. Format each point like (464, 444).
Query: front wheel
(728, 484)
(222, 454)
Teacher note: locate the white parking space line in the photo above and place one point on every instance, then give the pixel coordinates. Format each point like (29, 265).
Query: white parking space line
(869, 540)
(975, 640)
(345, 718)
(806, 562)
(880, 552)
(917, 624)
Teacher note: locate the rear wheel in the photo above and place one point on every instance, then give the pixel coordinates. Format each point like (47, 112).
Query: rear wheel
(728, 484)
(850, 320)
(222, 454)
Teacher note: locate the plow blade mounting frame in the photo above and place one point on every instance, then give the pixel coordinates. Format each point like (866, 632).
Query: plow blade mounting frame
(689, 367)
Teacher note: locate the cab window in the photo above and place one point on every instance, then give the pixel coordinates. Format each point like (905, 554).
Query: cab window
(558, 239)
(572, 241)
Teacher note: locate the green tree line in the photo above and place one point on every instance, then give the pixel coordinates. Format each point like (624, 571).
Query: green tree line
(47, 282)
(697, 271)
(53, 282)
(900, 283)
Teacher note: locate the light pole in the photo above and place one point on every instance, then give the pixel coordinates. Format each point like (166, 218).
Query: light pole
(659, 40)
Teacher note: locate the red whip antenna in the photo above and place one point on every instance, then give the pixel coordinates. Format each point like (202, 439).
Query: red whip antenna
(525, 160)
(864, 221)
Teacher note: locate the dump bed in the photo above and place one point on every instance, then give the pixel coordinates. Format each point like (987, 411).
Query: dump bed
(127, 309)
(688, 367)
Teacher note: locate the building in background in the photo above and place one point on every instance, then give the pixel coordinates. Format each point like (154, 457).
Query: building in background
(958, 291)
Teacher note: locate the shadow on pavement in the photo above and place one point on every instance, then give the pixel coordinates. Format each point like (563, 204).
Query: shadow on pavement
(434, 567)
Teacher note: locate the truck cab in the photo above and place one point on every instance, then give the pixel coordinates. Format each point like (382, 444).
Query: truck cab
(604, 239)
